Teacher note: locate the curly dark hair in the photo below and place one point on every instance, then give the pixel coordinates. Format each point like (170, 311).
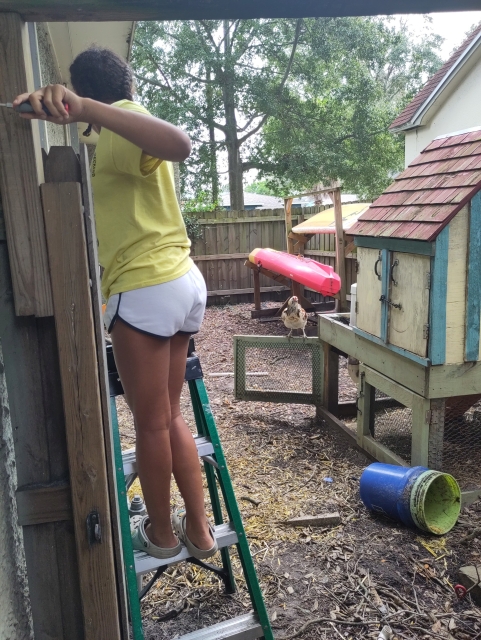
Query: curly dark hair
(102, 75)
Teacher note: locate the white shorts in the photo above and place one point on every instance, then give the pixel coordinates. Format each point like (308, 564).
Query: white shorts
(161, 310)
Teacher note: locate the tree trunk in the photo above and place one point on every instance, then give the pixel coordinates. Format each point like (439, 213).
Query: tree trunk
(214, 176)
(236, 187)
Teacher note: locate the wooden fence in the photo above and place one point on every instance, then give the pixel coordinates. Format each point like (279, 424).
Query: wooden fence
(229, 236)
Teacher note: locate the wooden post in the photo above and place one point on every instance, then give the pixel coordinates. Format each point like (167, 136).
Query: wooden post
(366, 409)
(340, 253)
(257, 290)
(421, 417)
(436, 433)
(19, 179)
(331, 380)
(288, 218)
(82, 407)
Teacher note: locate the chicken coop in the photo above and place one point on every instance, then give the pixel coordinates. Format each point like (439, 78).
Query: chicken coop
(416, 333)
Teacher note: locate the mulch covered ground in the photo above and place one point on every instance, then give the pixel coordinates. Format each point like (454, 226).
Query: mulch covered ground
(348, 581)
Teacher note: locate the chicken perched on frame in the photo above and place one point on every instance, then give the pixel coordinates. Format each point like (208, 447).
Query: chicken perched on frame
(294, 316)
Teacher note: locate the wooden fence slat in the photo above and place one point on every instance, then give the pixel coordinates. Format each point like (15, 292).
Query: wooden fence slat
(79, 373)
(19, 180)
(232, 235)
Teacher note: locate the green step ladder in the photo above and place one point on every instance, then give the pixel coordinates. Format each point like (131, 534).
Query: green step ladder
(138, 563)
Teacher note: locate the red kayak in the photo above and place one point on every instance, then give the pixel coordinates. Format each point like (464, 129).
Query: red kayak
(312, 274)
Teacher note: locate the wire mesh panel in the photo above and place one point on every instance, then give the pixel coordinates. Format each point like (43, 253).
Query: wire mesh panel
(458, 447)
(278, 369)
(393, 429)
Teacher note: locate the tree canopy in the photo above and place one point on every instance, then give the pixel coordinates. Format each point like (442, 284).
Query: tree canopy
(302, 101)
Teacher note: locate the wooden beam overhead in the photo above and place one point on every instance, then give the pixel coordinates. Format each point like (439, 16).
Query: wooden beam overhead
(99, 10)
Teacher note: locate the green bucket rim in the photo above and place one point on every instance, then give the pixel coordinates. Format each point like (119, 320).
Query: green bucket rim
(418, 495)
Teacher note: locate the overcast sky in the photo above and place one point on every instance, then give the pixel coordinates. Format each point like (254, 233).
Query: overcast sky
(451, 26)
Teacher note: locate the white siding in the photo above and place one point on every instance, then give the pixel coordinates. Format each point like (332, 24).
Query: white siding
(457, 108)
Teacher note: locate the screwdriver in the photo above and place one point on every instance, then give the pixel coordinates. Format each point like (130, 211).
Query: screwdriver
(26, 107)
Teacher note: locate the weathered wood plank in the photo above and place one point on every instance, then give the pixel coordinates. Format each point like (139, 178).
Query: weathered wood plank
(437, 312)
(83, 413)
(410, 289)
(35, 402)
(93, 265)
(473, 289)
(37, 505)
(447, 381)
(369, 290)
(93, 10)
(233, 292)
(340, 246)
(388, 386)
(407, 372)
(397, 244)
(460, 238)
(19, 180)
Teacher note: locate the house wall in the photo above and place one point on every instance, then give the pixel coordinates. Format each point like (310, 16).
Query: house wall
(456, 109)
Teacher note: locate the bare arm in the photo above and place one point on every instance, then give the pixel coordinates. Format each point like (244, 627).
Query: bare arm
(155, 137)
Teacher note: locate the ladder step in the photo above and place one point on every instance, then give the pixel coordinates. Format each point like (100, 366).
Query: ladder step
(241, 628)
(204, 448)
(224, 534)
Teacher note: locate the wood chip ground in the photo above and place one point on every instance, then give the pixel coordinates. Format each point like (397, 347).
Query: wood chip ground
(346, 581)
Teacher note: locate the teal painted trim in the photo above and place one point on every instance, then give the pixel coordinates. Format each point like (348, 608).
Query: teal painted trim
(385, 293)
(473, 302)
(439, 290)
(396, 244)
(425, 362)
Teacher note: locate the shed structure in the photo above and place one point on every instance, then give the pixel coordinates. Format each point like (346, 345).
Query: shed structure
(419, 256)
(417, 323)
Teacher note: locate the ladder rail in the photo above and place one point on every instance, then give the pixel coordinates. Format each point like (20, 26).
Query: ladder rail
(201, 400)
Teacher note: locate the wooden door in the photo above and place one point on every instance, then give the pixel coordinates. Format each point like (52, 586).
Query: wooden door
(369, 291)
(409, 287)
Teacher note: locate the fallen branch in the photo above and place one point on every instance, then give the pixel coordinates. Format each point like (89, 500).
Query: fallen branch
(309, 623)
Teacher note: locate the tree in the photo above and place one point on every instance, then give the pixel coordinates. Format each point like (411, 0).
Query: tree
(292, 98)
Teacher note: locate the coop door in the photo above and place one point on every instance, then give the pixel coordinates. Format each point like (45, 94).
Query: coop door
(409, 302)
(369, 291)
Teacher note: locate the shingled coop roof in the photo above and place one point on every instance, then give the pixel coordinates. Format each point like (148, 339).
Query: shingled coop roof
(406, 119)
(429, 193)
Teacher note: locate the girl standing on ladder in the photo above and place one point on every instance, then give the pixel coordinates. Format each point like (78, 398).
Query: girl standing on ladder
(156, 295)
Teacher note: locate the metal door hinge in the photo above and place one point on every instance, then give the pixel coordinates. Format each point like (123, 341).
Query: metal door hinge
(356, 266)
(429, 416)
(426, 332)
(428, 280)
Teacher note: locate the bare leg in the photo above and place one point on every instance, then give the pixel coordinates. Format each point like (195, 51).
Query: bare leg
(143, 364)
(185, 460)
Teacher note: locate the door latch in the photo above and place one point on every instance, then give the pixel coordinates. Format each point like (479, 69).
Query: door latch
(391, 304)
(94, 530)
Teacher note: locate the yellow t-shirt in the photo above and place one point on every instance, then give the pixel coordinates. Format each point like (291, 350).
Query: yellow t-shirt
(140, 229)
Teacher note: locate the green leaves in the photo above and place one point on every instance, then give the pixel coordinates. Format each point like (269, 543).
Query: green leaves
(302, 101)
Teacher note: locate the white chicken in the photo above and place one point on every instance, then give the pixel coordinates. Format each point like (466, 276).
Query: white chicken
(294, 316)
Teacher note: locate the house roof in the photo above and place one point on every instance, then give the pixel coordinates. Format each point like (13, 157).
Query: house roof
(418, 105)
(427, 195)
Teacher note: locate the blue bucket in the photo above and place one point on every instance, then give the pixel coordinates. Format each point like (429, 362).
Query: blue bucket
(386, 489)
